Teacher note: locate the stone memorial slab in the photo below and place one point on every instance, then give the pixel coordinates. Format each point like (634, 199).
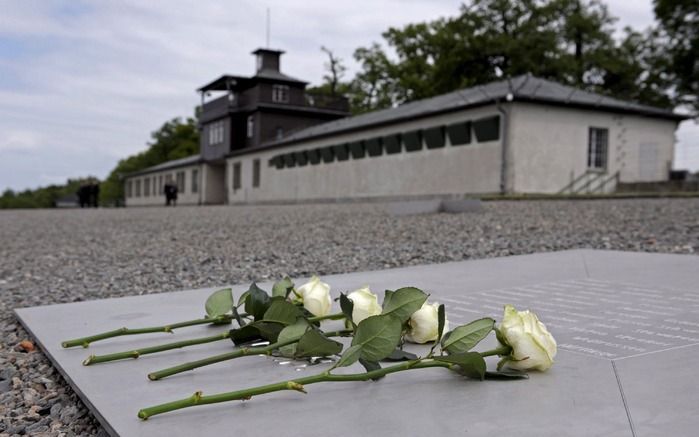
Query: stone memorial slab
(627, 326)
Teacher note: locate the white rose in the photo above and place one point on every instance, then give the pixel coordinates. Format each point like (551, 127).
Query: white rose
(315, 296)
(366, 304)
(424, 324)
(533, 347)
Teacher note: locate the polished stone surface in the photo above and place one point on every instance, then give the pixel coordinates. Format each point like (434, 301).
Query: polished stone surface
(627, 325)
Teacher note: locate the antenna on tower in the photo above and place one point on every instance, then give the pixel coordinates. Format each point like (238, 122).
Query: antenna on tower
(268, 26)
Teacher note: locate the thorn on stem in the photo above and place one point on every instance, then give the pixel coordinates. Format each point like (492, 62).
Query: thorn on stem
(291, 385)
(196, 397)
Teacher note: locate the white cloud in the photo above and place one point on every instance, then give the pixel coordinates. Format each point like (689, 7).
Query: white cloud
(84, 83)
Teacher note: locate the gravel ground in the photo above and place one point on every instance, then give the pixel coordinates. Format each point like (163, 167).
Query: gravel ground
(53, 256)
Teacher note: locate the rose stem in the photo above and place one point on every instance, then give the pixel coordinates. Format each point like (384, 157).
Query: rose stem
(296, 384)
(85, 341)
(266, 350)
(95, 359)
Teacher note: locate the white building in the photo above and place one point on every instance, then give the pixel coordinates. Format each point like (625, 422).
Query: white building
(523, 135)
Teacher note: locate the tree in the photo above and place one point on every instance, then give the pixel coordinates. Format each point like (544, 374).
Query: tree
(335, 70)
(679, 24)
(173, 140)
(569, 41)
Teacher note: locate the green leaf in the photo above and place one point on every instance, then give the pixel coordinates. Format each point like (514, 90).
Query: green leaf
(469, 364)
(219, 303)
(256, 331)
(403, 302)
(378, 336)
(290, 332)
(246, 334)
(281, 311)
(506, 375)
(350, 356)
(387, 296)
(282, 288)
(400, 355)
(441, 320)
(465, 337)
(371, 366)
(243, 298)
(347, 306)
(314, 344)
(269, 330)
(257, 302)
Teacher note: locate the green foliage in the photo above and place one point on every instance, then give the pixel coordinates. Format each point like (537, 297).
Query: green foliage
(44, 197)
(314, 344)
(378, 337)
(465, 337)
(347, 307)
(679, 26)
(469, 364)
(256, 331)
(281, 311)
(257, 302)
(282, 288)
(175, 139)
(291, 332)
(403, 302)
(219, 303)
(569, 41)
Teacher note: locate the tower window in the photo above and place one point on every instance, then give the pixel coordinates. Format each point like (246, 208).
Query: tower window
(251, 126)
(280, 93)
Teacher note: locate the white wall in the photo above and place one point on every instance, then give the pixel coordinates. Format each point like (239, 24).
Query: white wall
(188, 197)
(214, 184)
(548, 146)
(471, 168)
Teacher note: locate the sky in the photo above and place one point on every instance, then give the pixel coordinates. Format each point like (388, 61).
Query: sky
(84, 83)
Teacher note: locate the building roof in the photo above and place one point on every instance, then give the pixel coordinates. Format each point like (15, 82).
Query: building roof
(175, 163)
(228, 81)
(524, 88)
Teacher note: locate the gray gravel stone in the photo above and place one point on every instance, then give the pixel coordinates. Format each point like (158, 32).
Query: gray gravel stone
(55, 256)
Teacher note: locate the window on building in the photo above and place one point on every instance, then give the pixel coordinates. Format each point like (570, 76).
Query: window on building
(237, 176)
(129, 188)
(195, 180)
(251, 126)
(146, 187)
(180, 182)
(280, 93)
(597, 148)
(256, 173)
(160, 185)
(137, 188)
(215, 133)
(487, 129)
(280, 132)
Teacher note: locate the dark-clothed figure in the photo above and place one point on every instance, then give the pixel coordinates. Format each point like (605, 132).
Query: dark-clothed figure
(94, 194)
(170, 191)
(84, 195)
